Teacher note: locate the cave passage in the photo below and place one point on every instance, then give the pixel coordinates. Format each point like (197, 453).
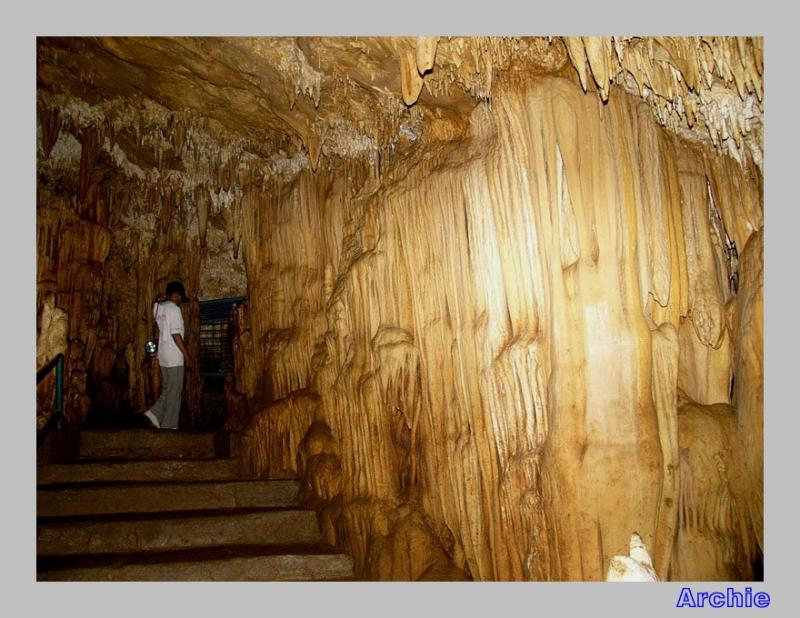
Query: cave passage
(215, 360)
(468, 307)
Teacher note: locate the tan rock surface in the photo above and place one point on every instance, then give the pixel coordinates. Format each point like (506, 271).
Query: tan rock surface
(494, 322)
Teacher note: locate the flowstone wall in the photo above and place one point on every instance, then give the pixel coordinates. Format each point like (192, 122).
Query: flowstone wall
(526, 345)
(505, 293)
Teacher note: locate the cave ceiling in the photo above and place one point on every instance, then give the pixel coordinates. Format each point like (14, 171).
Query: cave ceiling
(350, 96)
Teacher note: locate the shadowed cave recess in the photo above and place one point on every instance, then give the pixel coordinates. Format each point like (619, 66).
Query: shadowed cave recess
(504, 295)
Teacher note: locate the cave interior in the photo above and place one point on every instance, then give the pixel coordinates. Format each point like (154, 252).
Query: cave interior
(496, 303)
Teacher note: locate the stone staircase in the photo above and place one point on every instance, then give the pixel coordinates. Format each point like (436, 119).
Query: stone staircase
(150, 505)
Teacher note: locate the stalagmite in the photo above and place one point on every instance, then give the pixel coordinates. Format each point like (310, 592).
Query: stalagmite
(665, 381)
(637, 566)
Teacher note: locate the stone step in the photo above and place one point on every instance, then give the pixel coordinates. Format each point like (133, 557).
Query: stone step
(299, 566)
(130, 444)
(139, 471)
(283, 527)
(135, 444)
(164, 497)
(160, 505)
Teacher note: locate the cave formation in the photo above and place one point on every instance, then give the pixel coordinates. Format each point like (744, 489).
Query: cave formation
(504, 295)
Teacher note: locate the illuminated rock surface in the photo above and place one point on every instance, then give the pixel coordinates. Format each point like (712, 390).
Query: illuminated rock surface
(495, 322)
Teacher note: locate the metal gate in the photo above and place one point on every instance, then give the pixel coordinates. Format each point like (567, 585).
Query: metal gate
(216, 345)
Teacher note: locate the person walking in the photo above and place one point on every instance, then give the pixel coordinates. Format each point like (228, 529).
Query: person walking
(173, 357)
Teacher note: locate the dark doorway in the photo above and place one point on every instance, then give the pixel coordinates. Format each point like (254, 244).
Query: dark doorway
(216, 355)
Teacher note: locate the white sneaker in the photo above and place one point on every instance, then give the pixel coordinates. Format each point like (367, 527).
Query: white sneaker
(153, 420)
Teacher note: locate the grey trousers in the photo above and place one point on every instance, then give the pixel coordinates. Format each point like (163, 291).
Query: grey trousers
(168, 407)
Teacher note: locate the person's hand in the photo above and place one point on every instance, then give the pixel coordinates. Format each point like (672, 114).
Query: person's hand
(188, 362)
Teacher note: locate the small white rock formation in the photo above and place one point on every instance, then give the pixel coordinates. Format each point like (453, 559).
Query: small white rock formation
(52, 339)
(636, 567)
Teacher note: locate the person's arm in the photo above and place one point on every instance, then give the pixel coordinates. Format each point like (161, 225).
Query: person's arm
(156, 329)
(188, 361)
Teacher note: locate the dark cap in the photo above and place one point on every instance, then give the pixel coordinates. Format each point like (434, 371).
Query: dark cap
(176, 286)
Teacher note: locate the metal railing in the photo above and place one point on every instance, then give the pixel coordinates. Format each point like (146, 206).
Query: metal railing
(56, 420)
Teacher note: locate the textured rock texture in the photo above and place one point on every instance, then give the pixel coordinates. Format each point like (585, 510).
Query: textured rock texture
(499, 340)
(495, 324)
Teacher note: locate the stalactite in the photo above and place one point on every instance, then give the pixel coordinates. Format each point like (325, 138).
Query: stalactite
(577, 55)
(494, 329)
(713, 82)
(574, 389)
(426, 53)
(236, 214)
(599, 52)
(410, 79)
(51, 127)
(157, 199)
(89, 150)
(314, 145)
(201, 199)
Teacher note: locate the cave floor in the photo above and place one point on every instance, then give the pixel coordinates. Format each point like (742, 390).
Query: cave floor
(150, 505)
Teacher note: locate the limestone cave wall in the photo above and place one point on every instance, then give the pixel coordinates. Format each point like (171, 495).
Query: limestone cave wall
(505, 295)
(542, 338)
